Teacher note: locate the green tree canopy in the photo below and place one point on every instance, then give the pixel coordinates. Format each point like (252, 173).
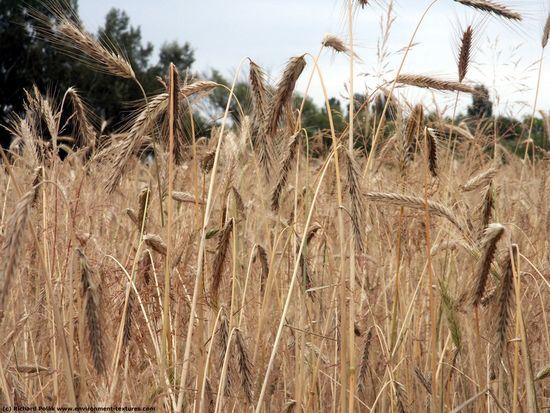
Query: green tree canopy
(27, 59)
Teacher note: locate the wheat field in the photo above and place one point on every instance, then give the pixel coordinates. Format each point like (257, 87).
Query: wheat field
(260, 269)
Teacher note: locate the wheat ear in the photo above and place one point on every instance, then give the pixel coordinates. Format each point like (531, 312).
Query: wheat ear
(416, 203)
(244, 366)
(493, 234)
(356, 197)
(284, 169)
(90, 297)
(433, 83)
(12, 245)
(503, 303)
(493, 8)
(220, 257)
(465, 52)
(479, 180)
(283, 93)
(85, 129)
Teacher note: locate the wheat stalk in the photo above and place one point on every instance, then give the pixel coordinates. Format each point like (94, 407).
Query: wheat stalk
(416, 203)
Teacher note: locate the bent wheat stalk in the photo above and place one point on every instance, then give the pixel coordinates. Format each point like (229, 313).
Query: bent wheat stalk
(416, 203)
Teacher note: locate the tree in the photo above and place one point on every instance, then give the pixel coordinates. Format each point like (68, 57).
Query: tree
(481, 106)
(25, 59)
(109, 95)
(182, 56)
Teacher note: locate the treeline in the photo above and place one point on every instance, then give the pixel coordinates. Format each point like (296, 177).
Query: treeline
(27, 59)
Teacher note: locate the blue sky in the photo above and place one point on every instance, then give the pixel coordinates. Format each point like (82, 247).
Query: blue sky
(270, 31)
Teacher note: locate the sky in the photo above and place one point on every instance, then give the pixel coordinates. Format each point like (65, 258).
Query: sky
(223, 34)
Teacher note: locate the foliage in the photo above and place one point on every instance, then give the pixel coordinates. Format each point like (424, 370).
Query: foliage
(27, 59)
(481, 106)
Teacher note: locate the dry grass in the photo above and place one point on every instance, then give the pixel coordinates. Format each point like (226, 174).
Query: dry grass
(328, 286)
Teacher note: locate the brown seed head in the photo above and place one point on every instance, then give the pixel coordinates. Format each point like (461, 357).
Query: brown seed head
(492, 7)
(546, 32)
